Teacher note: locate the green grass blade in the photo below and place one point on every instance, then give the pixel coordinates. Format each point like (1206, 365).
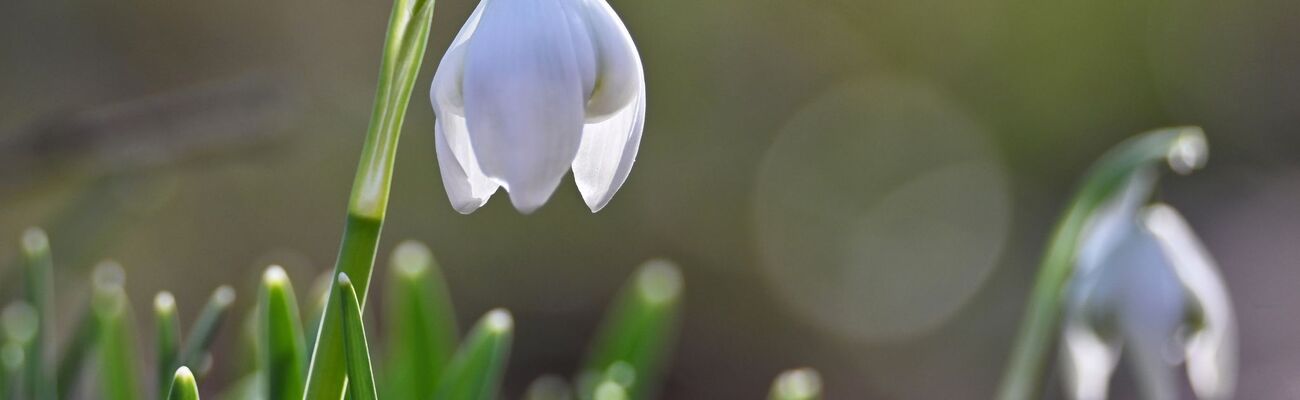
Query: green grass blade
(72, 360)
(167, 328)
(404, 46)
(798, 384)
(205, 327)
(1183, 149)
(11, 356)
(183, 386)
(117, 369)
(421, 324)
(549, 387)
(20, 324)
(283, 352)
(638, 330)
(476, 371)
(361, 379)
(40, 294)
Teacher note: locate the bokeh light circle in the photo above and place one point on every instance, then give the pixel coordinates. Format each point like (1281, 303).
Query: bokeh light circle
(880, 208)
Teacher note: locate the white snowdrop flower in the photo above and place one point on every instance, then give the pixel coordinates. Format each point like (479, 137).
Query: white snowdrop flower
(530, 89)
(1145, 284)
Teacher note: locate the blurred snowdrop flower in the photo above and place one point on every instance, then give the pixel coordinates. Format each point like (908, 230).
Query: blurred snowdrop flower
(1145, 283)
(530, 89)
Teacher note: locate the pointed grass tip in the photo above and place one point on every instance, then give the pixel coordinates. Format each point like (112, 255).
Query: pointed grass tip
(20, 322)
(35, 241)
(609, 390)
(802, 383)
(164, 303)
(498, 321)
(184, 376)
(274, 277)
(109, 273)
(659, 282)
(412, 258)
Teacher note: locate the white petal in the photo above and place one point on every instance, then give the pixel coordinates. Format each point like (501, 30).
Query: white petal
(1211, 351)
(619, 77)
(467, 187)
(1087, 359)
(524, 96)
(1113, 220)
(610, 144)
(446, 94)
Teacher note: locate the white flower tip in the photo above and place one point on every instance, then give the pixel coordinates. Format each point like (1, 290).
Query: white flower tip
(499, 321)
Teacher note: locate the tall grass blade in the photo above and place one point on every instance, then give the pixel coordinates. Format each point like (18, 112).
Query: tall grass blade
(167, 328)
(183, 386)
(117, 369)
(476, 371)
(39, 274)
(421, 324)
(408, 34)
(638, 330)
(283, 354)
(205, 328)
(361, 379)
(72, 360)
(19, 322)
(798, 384)
(1183, 149)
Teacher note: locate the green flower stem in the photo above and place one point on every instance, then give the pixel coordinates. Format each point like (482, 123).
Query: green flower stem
(205, 327)
(117, 373)
(167, 325)
(183, 386)
(475, 372)
(40, 294)
(638, 330)
(408, 34)
(1183, 149)
(421, 324)
(797, 384)
(361, 380)
(282, 350)
(74, 353)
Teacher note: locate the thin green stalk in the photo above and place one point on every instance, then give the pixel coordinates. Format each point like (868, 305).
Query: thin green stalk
(408, 34)
(167, 325)
(40, 294)
(638, 330)
(11, 356)
(797, 384)
(1183, 149)
(282, 350)
(73, 358)
(183, 386)
(19, 322)
(421, 324)
(361, 380)
(205, 327)
(117, 373)
(475, 372)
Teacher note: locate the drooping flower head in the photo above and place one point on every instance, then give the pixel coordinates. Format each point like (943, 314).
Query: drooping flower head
(530, 89)
(1144, 284)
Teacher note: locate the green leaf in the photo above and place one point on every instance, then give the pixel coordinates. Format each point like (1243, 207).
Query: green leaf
(167, 325)
(40, 294)
(361, 379)
(549, 387)
(421, 324)
(638, 331)
(283, 352)
(475, 372)
(205, 327)
(74, 353)
(183, 386)
(117, 370)
(1183, 149)
(408, 36)
(797, 384)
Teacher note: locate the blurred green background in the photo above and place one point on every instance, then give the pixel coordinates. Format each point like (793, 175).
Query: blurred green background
(863, 187)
